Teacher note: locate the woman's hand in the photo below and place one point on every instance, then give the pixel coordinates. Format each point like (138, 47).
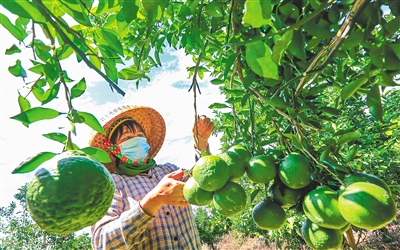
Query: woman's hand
(205, 127)
(169, 191)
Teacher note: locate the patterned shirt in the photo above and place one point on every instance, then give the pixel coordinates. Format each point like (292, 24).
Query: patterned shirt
(127, 226)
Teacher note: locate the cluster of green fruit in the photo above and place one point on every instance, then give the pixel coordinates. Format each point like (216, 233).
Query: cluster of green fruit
(363, 200)
(213, 180)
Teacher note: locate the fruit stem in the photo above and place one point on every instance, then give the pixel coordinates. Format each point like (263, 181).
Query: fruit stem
(350, 239)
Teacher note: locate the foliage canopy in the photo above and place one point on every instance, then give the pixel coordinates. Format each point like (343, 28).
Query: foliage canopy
(309, 76)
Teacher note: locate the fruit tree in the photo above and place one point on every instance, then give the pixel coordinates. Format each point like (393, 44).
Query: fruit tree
(297, 76)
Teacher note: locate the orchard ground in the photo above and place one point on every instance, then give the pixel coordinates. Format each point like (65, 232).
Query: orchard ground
(387, 238)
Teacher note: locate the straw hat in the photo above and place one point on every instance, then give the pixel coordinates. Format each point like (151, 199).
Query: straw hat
(150, 120)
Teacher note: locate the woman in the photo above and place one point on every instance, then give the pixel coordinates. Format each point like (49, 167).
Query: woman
(148, 210)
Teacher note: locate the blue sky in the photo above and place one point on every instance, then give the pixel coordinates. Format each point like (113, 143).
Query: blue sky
(167, 92)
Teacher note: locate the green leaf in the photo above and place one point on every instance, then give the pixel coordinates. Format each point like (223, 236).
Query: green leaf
(218, 106)
(257, 13)
(24, 103)
(281, 46)
(254, 194)
(386, 80)
(63, 52)
(36, 114)
(295, 141)
(374, 103)
(95, 61)
(298, 45)
(129, 11)
(91, 121)
(352, 87)
(51, 93)
(51, 71)
(110, 39)
(111, 69)
(335, 166)
(59, 137)
(78, 89)
(131, 73)
(355, 38)
(217, 81)
(350, 136)
(17, 69)
(24, 8)
(392, 27)
(330, 110)
(33, 162)
(276, 102)
(316, 30)
(259, 59)
(213, 9)
(352, 153)
(77, 11)
(37, 89)
(106, 6)
(154, 10)
(42, 50)
(289, 10)
(97, 154)
(235, 92)
(395, 48)
(13, 50)
(19, 33)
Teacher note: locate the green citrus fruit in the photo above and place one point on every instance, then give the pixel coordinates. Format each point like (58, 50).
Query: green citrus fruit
(363, 177)
(318, 237)
(230, 200)
(74, 192)
(285, 196)
(321, 207)
(268, 215)
(242, 152)
(366, 205)
(295, 171)
(261, 169)
(195, 195)
(235, 163)
(211, 172)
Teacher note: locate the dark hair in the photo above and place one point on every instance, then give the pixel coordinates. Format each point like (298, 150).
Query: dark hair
(132, 125)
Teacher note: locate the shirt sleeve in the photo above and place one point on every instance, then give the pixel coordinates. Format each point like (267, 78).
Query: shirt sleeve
(120, 229)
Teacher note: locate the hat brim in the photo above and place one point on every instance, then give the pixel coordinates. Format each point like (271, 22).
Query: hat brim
(149, 119)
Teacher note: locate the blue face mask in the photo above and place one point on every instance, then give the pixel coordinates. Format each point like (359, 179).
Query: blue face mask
(135, 148)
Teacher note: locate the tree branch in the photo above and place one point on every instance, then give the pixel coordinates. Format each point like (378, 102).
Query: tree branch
(65, 38)
(333, 46)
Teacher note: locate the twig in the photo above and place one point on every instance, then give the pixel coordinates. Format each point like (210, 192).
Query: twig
(350, 239)
(235, 126)
(228, 29)
(33, 40)
(195, 86)
(282, 138)
(334, 45)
